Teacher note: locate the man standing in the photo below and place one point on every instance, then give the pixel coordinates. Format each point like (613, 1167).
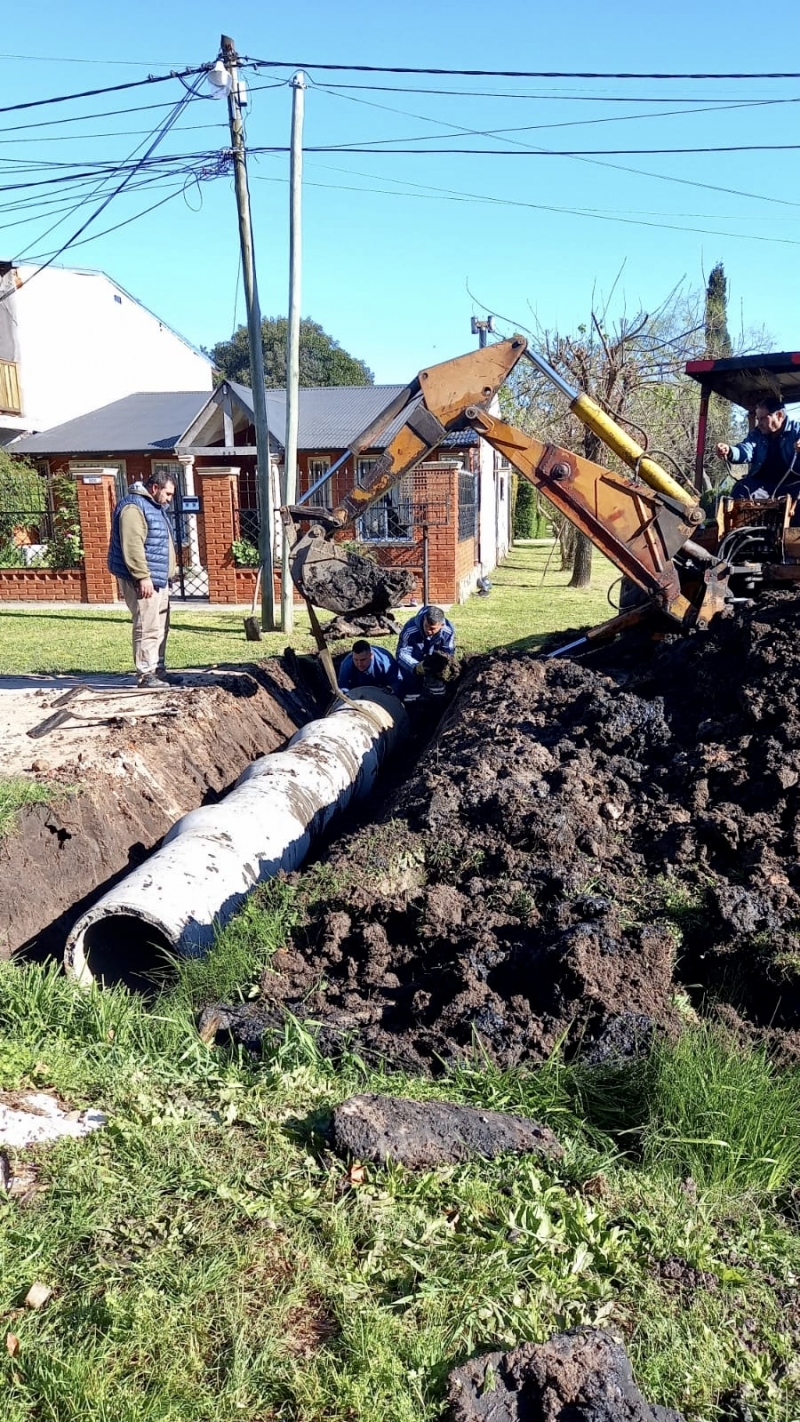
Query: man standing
(142, 557)
(369, 666)
(426, 647)
(771, 450)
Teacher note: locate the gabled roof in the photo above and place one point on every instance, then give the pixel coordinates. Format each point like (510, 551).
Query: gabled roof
(149, 420)
(330, 415)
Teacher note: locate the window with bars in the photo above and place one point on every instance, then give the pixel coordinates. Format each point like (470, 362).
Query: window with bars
(391, 518)
(316, 469)
(467, 505)
(92, 465)
(10, 402)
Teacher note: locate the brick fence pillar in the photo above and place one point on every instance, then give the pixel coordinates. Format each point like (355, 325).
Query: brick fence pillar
(219, 503)
(97, 495)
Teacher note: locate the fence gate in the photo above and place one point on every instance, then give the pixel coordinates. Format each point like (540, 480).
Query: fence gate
(192, 576)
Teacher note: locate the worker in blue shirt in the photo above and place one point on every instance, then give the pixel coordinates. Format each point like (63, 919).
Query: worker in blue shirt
(369, 666)
(426, 647)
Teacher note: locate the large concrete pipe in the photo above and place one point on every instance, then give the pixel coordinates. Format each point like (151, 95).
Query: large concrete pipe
(211, 859)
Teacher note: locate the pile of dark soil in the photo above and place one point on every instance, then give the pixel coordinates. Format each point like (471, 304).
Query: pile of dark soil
(583, 852)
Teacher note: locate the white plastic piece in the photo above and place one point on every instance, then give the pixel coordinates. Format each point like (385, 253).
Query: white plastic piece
(212, 858)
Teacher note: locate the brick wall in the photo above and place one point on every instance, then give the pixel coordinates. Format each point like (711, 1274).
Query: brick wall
(42, 585)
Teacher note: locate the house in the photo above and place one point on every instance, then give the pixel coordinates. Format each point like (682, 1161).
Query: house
(447, 521)
(72, 340)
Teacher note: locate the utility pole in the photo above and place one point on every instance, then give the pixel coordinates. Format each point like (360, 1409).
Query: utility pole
(289, 483)
(266, 521)
(481, 329)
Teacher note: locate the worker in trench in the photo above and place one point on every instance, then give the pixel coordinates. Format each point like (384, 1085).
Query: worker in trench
(369, 666)
(142, 557)
(772, 451)
(426, 650)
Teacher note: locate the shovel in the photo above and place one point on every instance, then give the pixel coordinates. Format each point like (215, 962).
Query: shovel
(252, 624)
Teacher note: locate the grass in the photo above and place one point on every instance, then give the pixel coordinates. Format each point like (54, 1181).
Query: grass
(209, 1258)
(526, 603)
(16, 791)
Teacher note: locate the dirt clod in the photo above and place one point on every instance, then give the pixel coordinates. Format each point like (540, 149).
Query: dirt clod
(424, 1134)
(578, 1376)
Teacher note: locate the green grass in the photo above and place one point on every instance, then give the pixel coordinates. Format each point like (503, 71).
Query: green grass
(16, 791)
(209, 1257)
(526, 603)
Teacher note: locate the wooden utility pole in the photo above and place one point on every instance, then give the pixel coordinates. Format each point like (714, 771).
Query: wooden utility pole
(266, 520)
(289, 484)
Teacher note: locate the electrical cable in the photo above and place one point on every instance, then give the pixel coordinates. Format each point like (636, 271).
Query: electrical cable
(109, 89)
(161, 133)
(504, 73)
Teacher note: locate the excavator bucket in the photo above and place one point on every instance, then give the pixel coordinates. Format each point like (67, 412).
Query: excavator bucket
(331, 575)
(342, 581)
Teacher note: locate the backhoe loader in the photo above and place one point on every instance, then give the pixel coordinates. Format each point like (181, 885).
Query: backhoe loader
(649, 523)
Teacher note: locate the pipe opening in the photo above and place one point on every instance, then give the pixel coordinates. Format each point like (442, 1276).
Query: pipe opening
(123, 948)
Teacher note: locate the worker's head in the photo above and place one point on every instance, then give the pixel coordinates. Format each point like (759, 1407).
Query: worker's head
(770, 414)
(161, 487)
(432, 620)
(362, 655)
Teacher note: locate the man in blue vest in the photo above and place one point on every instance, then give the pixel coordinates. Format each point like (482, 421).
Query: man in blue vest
(369, 666)
(771, 450)
(142, 557)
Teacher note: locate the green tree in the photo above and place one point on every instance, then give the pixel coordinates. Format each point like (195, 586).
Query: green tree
(718, 341)
(322, 360)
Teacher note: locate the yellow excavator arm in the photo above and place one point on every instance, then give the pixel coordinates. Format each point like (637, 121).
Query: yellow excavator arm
(639, 523)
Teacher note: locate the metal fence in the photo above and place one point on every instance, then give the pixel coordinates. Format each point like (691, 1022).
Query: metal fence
(26, 517)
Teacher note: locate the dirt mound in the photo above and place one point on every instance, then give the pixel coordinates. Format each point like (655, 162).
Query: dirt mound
(126, 780)
(583, 852)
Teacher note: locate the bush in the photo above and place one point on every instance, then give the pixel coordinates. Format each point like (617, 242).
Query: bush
(531, 517)
(65, 549)
(244, 553)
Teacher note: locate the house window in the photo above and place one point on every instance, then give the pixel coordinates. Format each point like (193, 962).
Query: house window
(89, 466)
(10, 402)
(317, 468)
(467, 505)
(391, 518)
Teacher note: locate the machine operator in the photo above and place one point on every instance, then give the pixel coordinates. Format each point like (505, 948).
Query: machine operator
(772, 450)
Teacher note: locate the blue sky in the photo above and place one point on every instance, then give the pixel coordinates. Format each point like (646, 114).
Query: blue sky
(400, 251)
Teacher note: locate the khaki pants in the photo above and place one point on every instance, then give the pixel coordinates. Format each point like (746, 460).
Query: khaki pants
(150, 626)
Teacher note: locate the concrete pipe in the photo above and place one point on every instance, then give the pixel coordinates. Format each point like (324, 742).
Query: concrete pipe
(211, 859)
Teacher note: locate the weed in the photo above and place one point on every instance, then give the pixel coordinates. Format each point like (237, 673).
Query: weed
(16, 792)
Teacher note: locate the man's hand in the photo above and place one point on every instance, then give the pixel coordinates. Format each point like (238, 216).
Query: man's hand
(723, 450)
(419, 669)
(797, 445)
(144, 587)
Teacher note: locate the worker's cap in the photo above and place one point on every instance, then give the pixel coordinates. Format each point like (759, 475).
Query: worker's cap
(772, 404)
(434, 616)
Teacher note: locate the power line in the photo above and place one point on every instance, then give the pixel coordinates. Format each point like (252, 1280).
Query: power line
(535, 152)
(558, 96)
(445, 195)
(504, 73)
(109, 89)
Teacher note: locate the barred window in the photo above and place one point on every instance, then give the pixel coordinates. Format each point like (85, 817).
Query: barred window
(467, 505)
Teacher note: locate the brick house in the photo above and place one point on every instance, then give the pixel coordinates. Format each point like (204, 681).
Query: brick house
(452, 513)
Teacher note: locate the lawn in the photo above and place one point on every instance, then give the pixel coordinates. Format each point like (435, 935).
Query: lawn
(528, 600)
(209, 1258)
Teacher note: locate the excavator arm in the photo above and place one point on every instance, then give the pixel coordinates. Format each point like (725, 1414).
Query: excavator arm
(639, 523)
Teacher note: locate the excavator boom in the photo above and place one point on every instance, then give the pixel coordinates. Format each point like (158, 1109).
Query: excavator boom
(638, 523)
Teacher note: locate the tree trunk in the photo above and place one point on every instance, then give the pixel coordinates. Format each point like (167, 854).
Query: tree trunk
(582, 564)
(567, 538)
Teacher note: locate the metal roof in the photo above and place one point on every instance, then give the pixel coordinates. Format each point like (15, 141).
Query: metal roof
(330, 417)
(149, 420)
(743, 379)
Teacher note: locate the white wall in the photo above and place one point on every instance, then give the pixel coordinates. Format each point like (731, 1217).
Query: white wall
(84, 342)
(493, 540)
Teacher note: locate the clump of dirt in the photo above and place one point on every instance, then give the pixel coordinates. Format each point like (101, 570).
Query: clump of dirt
(583, 852)
(126, 778)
